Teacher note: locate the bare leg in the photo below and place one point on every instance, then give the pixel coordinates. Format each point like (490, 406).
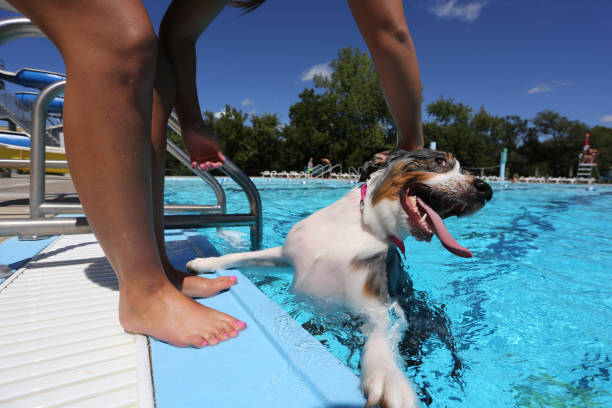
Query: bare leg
(107, 127)
(163, 97)
(383, 26)
(182, 25)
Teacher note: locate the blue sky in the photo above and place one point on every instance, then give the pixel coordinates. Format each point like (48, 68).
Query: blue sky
(514, 57)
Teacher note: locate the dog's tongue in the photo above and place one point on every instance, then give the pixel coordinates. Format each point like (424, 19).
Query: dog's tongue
(438, 227)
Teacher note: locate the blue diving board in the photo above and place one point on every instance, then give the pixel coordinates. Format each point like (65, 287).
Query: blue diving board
(272, 363)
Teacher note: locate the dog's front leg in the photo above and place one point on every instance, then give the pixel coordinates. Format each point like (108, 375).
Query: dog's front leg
(267, 257)
(382, 380)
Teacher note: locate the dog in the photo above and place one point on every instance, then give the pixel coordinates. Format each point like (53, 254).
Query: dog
(347, 253)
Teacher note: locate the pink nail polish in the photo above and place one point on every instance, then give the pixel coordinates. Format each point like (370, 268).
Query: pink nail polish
(235, 332)
(240, 323)
(233, 277)
(224, 335)
(215, 340)
(204, 343)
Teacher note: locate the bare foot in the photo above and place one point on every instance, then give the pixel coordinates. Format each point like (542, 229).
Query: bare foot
(170, 316)
(197, 286)
(202, 145)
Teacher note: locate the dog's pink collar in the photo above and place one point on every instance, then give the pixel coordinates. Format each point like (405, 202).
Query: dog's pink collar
(398, 242)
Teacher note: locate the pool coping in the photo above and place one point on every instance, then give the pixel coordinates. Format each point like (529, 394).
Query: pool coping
(286, 356)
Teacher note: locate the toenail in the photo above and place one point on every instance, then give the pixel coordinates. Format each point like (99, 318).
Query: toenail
(215, 340)
(224, 335)
(235, 332)
(233, 277)
(204, 343)
(240, 323)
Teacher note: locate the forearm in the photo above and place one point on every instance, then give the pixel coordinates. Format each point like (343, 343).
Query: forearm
(179, 31)
(182, 58)
(383, 26)
(400, 80)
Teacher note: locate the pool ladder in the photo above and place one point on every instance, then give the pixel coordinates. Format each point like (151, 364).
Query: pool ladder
(183, 216)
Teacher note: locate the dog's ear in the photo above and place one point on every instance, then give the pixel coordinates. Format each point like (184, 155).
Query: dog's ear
(377, 162)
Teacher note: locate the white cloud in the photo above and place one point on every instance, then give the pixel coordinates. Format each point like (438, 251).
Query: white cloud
(607, 118)
(546, 87)
(320, 69)
(219, 114)
(450, 9)
(539, 89)
(247, 102)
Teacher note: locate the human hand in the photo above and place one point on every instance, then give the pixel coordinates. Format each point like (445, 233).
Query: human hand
(202, 146)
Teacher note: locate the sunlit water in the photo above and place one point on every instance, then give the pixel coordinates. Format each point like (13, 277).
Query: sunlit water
(526, 322)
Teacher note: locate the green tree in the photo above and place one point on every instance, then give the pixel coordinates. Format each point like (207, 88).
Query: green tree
(470, 137)
(347, 121)
(561, 140)
(262, 148)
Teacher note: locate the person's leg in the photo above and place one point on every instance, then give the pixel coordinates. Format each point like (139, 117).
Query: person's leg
(383, 26)
(181, 26)
(109, 49)
(163, 99)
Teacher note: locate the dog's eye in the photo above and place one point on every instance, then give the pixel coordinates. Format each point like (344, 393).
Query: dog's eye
(441, 161)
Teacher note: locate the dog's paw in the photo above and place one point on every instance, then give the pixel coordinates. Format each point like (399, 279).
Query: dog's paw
(203, 265)
(389, 389)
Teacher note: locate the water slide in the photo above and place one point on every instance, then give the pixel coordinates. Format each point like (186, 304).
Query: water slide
(16, 145)
(32, 78)
(26, 101)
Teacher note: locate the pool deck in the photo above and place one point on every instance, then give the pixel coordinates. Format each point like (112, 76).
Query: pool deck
(15, 192)
(64, 346)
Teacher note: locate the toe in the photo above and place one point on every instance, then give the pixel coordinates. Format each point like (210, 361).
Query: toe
(225, 282)
(212, 340)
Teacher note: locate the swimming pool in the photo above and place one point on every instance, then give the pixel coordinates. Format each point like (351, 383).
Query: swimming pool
(526, 322)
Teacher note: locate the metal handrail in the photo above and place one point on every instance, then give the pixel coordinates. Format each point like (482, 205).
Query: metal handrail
(18, 27)
(316, 170)
(37, 224)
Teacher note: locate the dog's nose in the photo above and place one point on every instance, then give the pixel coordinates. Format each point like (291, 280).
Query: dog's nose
(484, 189)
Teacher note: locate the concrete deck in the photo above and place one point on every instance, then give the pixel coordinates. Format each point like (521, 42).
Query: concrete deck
(15, 192)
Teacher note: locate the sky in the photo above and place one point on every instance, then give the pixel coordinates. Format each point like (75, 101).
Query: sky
(514, 57)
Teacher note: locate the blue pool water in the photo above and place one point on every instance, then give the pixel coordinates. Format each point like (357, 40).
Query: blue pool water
(526, 322)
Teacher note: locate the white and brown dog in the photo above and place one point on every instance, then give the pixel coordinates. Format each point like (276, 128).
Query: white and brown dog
(347, 252)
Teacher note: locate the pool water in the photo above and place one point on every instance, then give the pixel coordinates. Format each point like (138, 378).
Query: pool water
(526, 322)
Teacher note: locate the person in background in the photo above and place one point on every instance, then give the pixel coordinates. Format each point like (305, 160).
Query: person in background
(309, 166)
(123, 82)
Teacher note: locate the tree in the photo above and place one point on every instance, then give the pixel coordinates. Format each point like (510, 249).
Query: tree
(262, 148)
(561, 140)
(470, 137)
(344, 117)
(347, 121)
